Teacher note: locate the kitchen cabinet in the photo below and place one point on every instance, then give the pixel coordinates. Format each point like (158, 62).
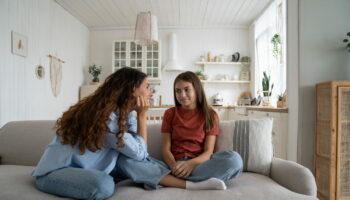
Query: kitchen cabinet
(143, 58)
(222, 113)
(279, 129)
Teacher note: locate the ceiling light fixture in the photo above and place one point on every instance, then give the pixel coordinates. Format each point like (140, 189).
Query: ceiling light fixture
(146, 29)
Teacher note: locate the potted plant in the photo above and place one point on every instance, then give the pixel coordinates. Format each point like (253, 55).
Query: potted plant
(200, 75)
(276, 43)
(95, 72)
(267, 91)
(347, 42)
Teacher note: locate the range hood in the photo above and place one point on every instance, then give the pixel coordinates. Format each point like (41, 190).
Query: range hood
(172, 64)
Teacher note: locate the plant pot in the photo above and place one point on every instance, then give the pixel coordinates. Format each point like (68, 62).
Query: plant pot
(201, 77)
(266, 101)
(95, 79)
(280, 104)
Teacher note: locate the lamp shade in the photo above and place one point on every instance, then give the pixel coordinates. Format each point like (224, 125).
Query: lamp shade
(146, 29)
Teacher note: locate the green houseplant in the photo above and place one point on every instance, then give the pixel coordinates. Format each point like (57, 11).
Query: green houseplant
(347, 42)
(276, 43)
(267, 90)
(200, 75)
(95, 72)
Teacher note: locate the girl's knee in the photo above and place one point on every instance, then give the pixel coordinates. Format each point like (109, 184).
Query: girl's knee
(233, 159)
(104, 186)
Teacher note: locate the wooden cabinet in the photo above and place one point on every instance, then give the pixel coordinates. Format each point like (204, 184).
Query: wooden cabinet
(86, 90)
(332, 140)
(143, 58)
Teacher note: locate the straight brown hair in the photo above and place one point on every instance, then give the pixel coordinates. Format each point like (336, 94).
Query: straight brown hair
(201, 99)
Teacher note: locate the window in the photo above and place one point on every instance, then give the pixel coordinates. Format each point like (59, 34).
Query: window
(270, 24)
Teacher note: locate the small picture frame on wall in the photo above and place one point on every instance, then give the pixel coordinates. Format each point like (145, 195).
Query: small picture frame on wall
(19, 44)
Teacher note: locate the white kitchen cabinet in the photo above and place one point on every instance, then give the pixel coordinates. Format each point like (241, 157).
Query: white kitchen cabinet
(143, 58)
(279, 130)
(222, 113)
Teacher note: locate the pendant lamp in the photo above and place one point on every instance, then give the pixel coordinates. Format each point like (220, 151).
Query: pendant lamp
(146, 29)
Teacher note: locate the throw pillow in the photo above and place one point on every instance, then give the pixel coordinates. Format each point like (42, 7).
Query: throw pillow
(252, 139)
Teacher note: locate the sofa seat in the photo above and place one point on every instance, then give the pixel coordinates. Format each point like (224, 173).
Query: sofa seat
(248, 186)
(19, 176)
(239, 188)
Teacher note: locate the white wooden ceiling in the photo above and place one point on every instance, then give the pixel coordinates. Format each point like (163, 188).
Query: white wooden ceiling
(106, 14)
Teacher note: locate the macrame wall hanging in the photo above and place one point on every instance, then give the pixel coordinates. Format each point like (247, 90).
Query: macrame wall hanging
(55, 74)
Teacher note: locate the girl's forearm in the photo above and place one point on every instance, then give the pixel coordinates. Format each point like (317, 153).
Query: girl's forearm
(201, 158)
(142, 125)
(169, 159)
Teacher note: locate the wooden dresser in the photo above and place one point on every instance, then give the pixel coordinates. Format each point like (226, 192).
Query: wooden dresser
(332, 140)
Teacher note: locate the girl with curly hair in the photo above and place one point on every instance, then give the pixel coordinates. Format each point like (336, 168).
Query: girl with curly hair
(98, 137)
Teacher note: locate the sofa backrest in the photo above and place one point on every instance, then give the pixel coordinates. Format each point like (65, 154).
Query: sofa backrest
(23, 142)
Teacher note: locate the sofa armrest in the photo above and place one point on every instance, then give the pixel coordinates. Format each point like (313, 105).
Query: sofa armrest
(293, 176)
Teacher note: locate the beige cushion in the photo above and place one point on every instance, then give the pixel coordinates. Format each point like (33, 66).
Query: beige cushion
(252, 139)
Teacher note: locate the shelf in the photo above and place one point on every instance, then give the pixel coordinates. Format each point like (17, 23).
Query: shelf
(218, 81)
(218, 63)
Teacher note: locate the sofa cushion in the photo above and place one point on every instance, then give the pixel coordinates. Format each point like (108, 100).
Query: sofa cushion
(17, 183)
(252, 139)
(248, 186)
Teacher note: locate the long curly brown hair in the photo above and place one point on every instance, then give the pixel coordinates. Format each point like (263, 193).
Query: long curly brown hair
(85, 123)
(207, 110)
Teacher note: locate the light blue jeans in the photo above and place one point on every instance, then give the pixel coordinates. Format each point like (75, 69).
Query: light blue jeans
(223, 165)
(148, 171)
(77, 183)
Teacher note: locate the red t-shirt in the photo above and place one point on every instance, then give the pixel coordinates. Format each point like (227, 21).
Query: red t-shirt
(187, 129)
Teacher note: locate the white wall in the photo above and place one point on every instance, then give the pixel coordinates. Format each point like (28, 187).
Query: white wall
(191, 44)
(50, 30)
(323, 26)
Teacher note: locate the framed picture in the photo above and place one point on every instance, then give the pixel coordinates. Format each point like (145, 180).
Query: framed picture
(19, 44)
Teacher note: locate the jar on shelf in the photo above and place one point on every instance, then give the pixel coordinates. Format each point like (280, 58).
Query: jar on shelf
(209, 57)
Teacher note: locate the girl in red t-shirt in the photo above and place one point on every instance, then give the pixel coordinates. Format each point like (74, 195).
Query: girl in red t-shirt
(189, 132)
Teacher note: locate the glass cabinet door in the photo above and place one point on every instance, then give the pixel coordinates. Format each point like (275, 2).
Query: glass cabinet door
(145, 59)
(152, 60)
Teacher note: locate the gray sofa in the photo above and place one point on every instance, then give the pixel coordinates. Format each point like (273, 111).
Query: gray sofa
(23, 142)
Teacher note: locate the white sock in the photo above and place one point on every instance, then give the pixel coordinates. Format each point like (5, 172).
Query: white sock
(210, 184)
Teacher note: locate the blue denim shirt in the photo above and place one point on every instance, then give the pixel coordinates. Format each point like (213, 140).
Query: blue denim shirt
(58, 156)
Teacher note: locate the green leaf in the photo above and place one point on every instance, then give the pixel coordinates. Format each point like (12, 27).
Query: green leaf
(345, 40)
(348, 34)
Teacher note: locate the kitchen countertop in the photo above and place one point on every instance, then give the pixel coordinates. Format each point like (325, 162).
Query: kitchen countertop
(257, 108)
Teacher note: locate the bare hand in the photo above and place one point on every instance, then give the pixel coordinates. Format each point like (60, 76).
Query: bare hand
(142, 105)
(182, 169)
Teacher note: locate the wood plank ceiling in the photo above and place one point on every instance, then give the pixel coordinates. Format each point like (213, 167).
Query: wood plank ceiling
(106, 14)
